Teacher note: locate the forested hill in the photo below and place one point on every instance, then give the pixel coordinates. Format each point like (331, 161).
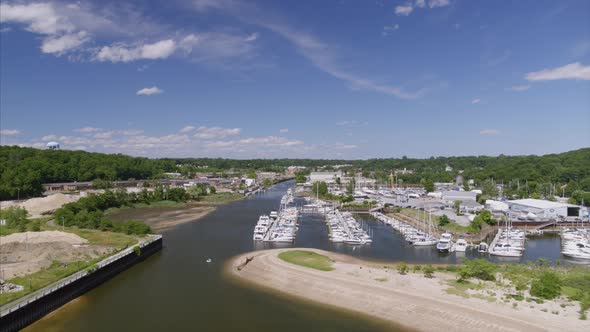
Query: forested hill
(25, 169)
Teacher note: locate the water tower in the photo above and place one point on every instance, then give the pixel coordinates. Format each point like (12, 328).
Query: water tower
(53, 146)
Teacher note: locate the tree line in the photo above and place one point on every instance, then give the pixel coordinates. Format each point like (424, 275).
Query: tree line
(24, 170)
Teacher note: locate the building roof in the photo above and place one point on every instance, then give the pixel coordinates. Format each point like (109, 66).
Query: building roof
(459, 193)
(539, 203)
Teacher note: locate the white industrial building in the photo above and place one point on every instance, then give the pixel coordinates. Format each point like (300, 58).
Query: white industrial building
(453, 195)
(327, 177)
(546, 209)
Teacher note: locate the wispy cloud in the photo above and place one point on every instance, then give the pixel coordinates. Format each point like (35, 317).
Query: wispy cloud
(520, 87)
(187, 129)
(284, 130)
(154, 90)
(489, 132)
(408, 7)
(124, 53)
(476, 101)
(317, 52)
(87, 130)
(9, 132)
(572, 71)
(216, 132)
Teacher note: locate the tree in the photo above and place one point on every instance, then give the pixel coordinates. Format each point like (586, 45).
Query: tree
(486, 217)
(457, 207)
(489, 188)
(320, 188)
(429, 186)
(443, 220)
(252, 174)
(36, 226)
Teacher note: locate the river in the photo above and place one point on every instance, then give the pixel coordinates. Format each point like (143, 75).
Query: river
(176, 290)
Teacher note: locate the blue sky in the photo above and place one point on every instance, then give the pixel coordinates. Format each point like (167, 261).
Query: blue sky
(317, 79)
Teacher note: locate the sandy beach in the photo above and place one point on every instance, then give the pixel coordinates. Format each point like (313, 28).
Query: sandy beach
(409, 300)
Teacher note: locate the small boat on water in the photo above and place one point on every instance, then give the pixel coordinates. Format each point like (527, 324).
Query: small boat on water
(208, 260)
(482, 248)
(461, 245)
(445, 243)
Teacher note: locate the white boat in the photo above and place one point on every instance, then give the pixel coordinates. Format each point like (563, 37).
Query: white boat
(461, 245)
(445, 242)
(274, 215)
(482, 248)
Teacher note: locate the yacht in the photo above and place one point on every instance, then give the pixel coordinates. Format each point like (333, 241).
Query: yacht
(274, 215)
(445, 242)
(461, 245)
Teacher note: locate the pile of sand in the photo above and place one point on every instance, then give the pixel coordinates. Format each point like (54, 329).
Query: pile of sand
(29, 252)
(36, 207)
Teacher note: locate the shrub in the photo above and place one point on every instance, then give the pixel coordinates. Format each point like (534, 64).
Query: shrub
(402, 268)
(137, 250)
(428, 271)
(547, 286)
(477, 268)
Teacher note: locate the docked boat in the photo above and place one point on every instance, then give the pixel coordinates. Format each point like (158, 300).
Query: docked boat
(445, 243)
(461, 245)
(482, 248)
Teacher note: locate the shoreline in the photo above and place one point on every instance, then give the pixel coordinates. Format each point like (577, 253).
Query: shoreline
(411, 300)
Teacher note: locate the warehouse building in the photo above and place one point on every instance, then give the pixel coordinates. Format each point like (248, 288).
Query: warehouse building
(546, 209)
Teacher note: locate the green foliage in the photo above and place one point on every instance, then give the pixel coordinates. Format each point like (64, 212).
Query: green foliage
(307, 259)
(546, 286)
(137, 250)
(36, 226)
(486, 217)
(443, 220)
(457, 206)
(402, 268)
(102, 184)
(320, 188)
(477, 268)
(88, 212)
(428, 271)
(429, 185)
(15, 216)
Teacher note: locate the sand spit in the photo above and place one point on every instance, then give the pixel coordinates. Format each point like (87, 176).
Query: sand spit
(29, 252)
(410, 300)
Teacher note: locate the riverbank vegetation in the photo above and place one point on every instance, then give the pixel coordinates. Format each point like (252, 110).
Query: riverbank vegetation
(528, 282)
(308, 259)
(24, 170)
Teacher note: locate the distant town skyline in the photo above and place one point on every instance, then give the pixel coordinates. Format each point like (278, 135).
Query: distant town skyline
(338, 79)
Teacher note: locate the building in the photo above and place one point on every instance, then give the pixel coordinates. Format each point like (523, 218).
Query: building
(452, 195)
(53, 146)
(469, 206)
(546, 209)
(327, 177)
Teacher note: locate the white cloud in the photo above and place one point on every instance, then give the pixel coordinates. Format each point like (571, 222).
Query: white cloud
(87, 130)
(105, 134)
(40, 18)
(520, 87)
(9, 132)
(284, 130)
(48, 138)
(572, 71)
(154, 90)
(476, 101)
(420, 3)
(404, 10)
(216, 132)
(346, 146)
(489, 132)
(63, 43)
(187, 129)
(251, 37)
(125, 53)
(438, 3)
(387, 30)
(345, 123)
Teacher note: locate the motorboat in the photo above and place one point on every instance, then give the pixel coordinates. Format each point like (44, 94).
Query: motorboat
(482, 248)
(445, 242)
(461, 245)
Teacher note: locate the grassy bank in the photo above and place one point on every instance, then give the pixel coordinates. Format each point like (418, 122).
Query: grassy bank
(451, 227)
(49, 275)
(221, 198)
(307, 259)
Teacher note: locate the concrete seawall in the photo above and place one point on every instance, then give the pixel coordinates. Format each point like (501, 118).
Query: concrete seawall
(19, 316)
